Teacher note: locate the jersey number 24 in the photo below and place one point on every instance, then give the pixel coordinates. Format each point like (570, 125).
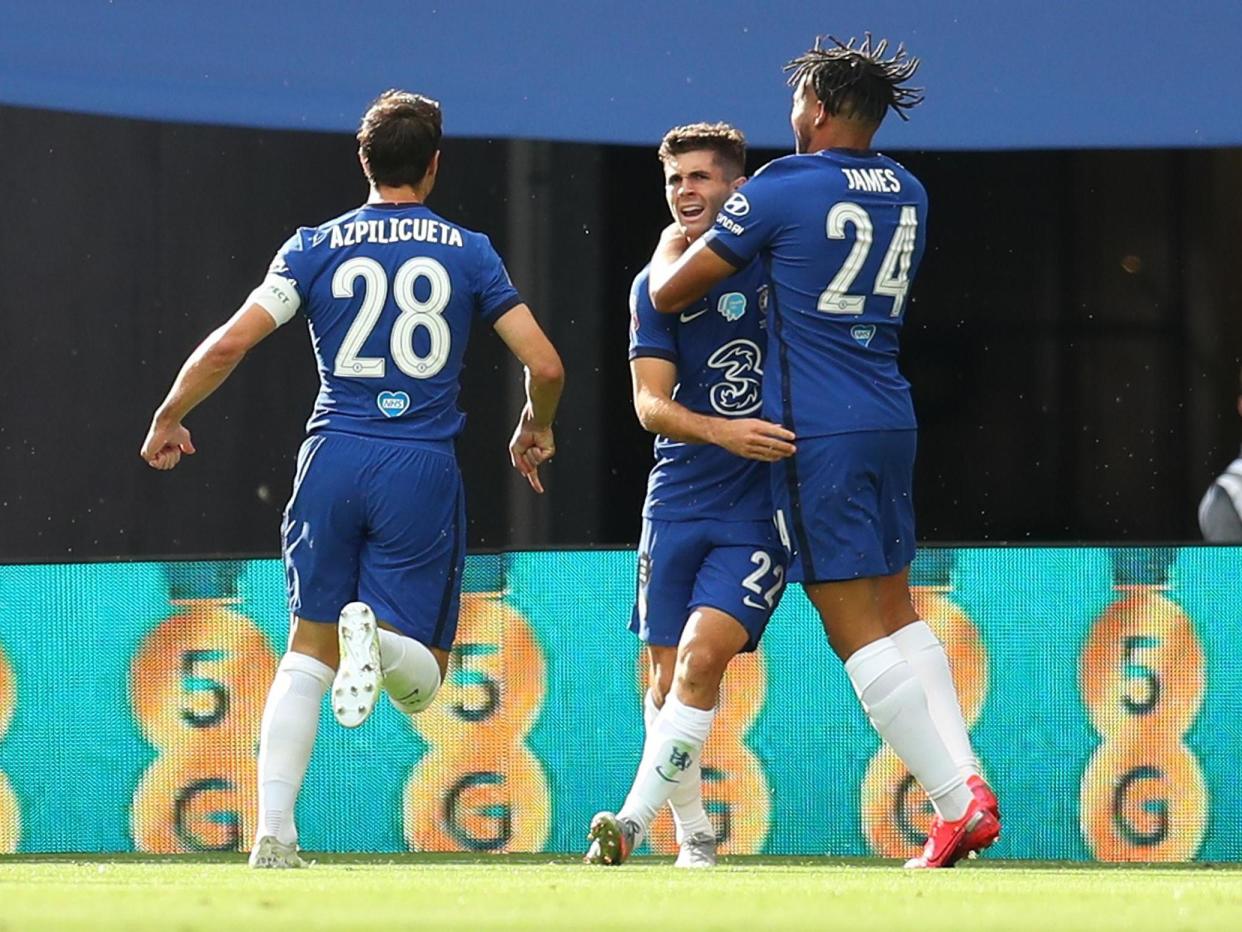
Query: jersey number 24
(893, 279)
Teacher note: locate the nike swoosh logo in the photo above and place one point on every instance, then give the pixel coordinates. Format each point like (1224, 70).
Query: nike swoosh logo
(748, 601)
(686, 318)
(664, 778)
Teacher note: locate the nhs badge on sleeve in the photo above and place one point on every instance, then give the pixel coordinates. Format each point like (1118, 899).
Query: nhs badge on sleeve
(863, 333)
(732, 306)
(392, 404)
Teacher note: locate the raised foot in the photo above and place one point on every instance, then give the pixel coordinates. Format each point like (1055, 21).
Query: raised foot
(612, 839)
(357, 682)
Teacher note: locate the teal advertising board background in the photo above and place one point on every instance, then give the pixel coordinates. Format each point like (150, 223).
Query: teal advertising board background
(74, 753)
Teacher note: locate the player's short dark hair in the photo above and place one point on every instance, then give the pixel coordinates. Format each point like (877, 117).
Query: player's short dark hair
(858, 83)
(727, 142)
(399, 134)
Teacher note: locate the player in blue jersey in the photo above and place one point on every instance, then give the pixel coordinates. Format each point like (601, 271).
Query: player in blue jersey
(711, 566)
(841, 229)
(374, 533)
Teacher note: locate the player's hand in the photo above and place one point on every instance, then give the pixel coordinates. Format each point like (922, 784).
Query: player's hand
(755, 439)
(164, 445)
(530, 448)
(672, 245)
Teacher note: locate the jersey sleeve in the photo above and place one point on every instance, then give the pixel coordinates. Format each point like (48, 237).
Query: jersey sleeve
(749, 219)
(651, 333)
(495, 294)
(281, 293)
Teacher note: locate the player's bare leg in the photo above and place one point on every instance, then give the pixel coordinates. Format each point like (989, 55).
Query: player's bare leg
(287, 737)
(675, 741)
(661, 662)
(926, 655)
(852, 612)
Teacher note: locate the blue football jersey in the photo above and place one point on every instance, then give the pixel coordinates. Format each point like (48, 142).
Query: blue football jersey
(841, 233)
(389, 292)
(718, 346)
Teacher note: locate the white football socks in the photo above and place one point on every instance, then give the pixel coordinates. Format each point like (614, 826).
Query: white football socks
(926, 655)
(894, 700)
(686, 801)
(411, 674)
(674, 743)
(286, 738)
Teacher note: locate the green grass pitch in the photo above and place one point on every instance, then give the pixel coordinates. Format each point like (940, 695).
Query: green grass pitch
(421, 892)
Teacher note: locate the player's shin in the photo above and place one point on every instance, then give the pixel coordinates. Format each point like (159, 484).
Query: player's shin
(926, 656)
(286, 738)
(686, 800)
(670, 760)
(411, 673)
(897, 706)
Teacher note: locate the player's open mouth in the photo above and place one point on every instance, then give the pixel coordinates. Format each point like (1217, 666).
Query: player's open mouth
(691, 211)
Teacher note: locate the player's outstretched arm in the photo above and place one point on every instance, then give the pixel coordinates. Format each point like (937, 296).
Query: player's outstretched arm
(205, 371)
(682, 274)
(532, 443)
(751, 438)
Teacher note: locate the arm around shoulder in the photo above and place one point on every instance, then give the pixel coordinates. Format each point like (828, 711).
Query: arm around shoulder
(675, 285)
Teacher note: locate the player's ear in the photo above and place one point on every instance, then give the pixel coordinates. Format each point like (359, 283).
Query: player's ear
(741, 180)
(429, 177)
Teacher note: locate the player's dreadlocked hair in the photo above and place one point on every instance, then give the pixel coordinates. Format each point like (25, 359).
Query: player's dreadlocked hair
(858, 82)
(727, 142)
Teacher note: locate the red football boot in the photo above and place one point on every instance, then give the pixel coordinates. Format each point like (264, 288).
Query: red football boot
(949, 842)
(984, 794)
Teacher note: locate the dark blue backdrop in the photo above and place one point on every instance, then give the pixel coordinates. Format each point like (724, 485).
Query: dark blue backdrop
(999, 73)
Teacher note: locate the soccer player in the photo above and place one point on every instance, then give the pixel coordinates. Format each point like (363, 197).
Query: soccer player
(374, 533)
(1220, 511)
(710, 566)
(841, 229)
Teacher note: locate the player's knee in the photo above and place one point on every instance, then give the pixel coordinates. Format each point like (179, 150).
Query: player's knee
(701, 665)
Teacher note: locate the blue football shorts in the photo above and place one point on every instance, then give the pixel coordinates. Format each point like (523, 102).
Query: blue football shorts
(382, 522)
(844, 505)
(737, 567)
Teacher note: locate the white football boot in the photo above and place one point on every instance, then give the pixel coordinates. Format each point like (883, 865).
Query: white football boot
(697, 851)
(270, 854)
(357, 682)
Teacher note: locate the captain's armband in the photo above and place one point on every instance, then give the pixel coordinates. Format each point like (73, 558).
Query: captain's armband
(278, 296)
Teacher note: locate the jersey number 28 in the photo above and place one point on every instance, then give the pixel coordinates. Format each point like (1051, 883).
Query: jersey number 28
(414, 314)
(893, 278)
